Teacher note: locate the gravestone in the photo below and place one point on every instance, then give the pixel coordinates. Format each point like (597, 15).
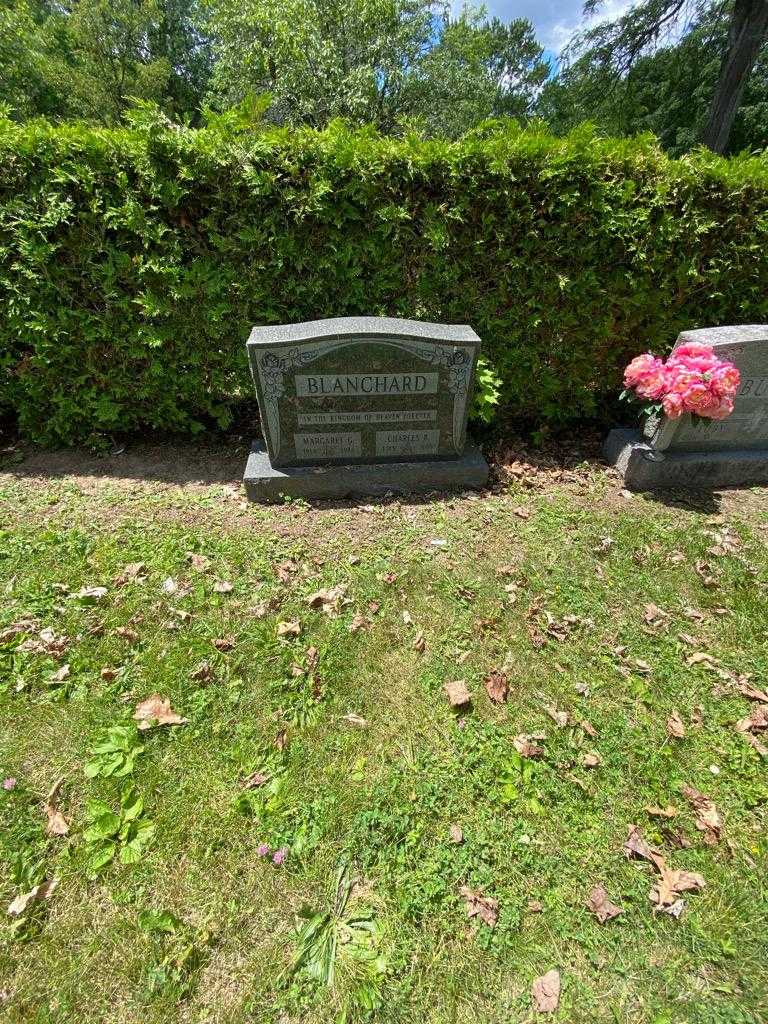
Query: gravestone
(711, 453)
(362, 405)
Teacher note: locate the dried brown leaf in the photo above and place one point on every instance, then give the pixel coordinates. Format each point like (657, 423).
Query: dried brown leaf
(546, 992)
(601, 906)
(457, 693)
(200, 563)
(708, 818)
(456, 834)
(357, 720)
(290, 628)
(484, 907)
(525, 746)
(254, 780)
(43, 891)
(224, 643)
(560, 718)
(57, 824)
(496, 686)
(591, 760)
(661, 812)
(154, 711)
(675, 726)
(746, 690)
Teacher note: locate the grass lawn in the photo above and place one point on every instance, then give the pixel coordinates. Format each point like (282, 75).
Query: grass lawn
(321, 729)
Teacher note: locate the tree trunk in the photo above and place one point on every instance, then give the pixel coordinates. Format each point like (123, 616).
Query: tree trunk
(746, 35)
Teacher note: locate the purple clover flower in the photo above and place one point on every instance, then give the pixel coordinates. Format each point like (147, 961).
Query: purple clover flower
(279, 856)
(263, 850)
(9, 783)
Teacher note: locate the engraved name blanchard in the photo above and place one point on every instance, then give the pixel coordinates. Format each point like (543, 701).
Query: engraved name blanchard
(308, 386)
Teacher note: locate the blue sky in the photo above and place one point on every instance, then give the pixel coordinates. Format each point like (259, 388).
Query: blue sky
(555, 21)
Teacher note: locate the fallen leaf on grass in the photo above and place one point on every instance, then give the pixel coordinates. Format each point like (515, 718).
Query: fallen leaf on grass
(223, 587)
(535, 906)
(746, 690)
(559, 717)
(496, 686)
(588, 728)
(675, 726)
(484, 907)
(156, 710)
(419, 642)
(224, 643)
(525, 746)
(43, 891)
(330, 600)
(359, 622)
(671, 881)
(60, 674)
(755, 721)
(591, 760)
(522, 512)
(456, 834)
(254, 780)
(546, 992)
(127, 634)
(407, 618)
(700, 658)
(655, 616)
(601, 906)
(357, 720)
(17, 628)
(200, 563)
(636, 845)
(203, 673)
(169, 585)
(457, 693)
(708, 818)
(291, 628)
(46, 642)
(755, 743)
(57, 824)
(661, 812)
(90, 595)
(132, 571)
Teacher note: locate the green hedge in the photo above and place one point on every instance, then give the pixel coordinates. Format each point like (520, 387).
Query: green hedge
(133, 261)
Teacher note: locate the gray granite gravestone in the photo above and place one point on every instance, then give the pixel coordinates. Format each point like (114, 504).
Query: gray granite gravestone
(362, 405)
(712, 453)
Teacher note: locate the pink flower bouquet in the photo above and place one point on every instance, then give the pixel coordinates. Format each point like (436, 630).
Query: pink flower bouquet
(692, 380)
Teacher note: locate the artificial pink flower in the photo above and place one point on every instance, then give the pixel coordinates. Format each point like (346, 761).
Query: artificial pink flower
(720, 411)
(697, 397)
(654, 384)
(725, 380)
(698, 358)
(639, 368)
(673, 405)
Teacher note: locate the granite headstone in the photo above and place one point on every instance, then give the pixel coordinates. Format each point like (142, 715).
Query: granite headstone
(362, 405)
(705, 453)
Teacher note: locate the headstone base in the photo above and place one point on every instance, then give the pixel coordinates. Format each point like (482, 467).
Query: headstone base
(265, 483)
(646, 469)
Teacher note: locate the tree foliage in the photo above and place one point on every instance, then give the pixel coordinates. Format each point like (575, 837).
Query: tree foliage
(658, 68)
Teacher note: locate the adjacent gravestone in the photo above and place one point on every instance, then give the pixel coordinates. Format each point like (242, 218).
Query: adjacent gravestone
(711, 453)
(362, 405)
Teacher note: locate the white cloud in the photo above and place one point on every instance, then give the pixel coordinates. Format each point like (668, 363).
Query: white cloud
(560, 33)
(555, 21)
